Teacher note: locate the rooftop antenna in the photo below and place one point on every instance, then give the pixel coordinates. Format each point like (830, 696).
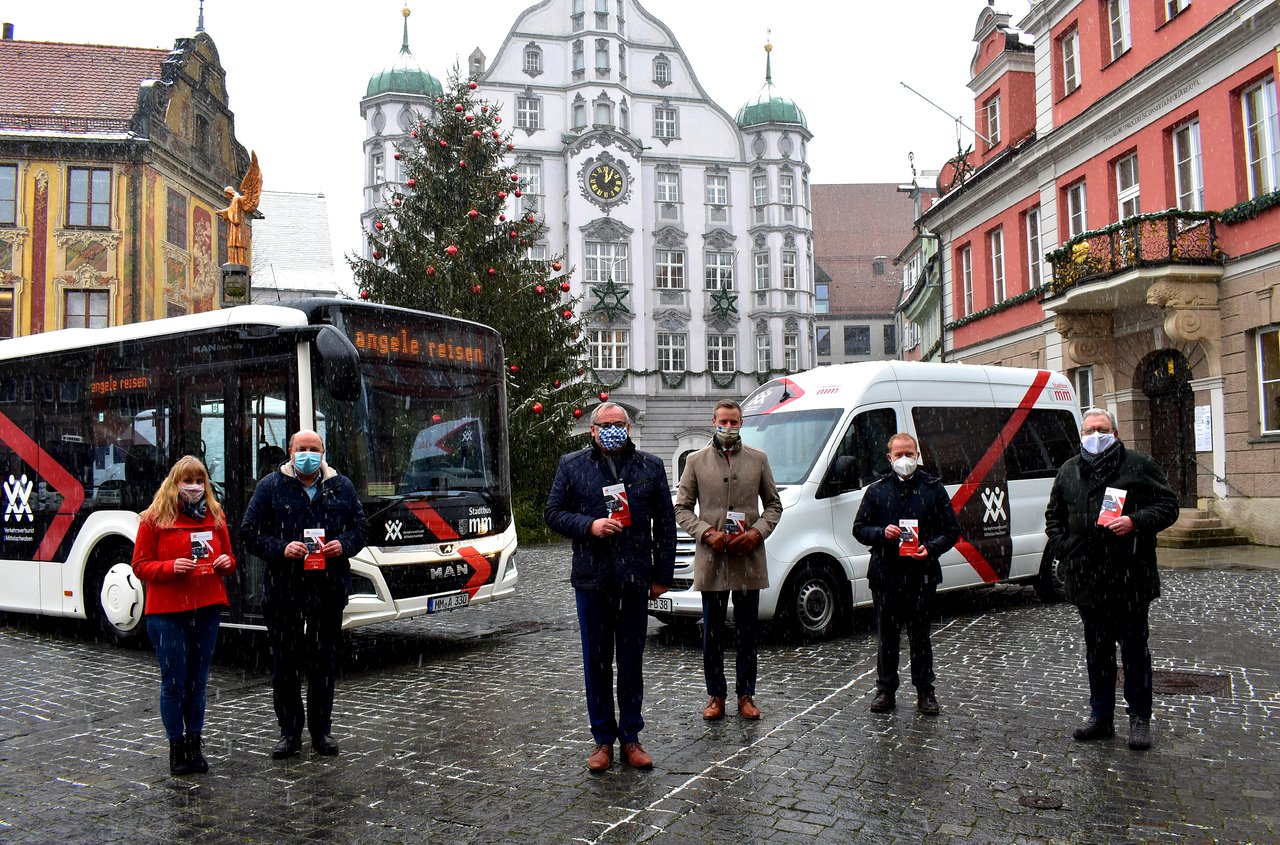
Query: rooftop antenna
(958, 120)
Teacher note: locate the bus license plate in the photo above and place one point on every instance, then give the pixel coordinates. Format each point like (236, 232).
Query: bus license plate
(661, 605)
(452, 602)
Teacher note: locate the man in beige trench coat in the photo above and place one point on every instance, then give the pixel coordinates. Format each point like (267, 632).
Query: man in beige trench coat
(737, 508)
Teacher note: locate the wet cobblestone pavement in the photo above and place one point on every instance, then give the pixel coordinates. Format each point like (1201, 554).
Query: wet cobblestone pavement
(471, 727)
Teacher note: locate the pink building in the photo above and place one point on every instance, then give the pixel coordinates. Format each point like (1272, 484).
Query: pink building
(1117, 220)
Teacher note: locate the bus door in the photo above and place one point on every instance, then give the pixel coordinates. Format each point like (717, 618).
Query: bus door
(858, 460)
(237, 420)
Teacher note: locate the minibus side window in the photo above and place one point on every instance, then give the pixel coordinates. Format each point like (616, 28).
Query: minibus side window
(861, 454)
(1042, 444)
(953, 440)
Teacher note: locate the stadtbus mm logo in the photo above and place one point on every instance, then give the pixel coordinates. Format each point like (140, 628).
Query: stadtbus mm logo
(17, 492)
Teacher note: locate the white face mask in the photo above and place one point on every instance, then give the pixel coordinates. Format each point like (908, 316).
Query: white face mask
(906, 466)
(1096, 443)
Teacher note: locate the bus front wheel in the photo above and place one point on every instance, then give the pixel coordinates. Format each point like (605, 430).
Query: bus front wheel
(811, 604)
(115, 598)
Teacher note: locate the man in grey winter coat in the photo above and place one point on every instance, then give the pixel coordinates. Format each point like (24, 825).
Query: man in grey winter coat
(1105, 509)
(728, 481)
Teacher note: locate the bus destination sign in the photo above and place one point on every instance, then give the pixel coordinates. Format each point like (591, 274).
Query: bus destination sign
(417, 344)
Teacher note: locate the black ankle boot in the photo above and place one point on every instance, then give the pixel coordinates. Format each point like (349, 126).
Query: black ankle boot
(179, 764)
(195, 756)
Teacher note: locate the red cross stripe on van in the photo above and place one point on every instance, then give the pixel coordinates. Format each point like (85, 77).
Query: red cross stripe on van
(440, 527)
(51, 471)
(984, 466)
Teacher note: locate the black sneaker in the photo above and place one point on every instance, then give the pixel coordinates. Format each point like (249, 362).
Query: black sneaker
(1139, 734)
(324, 745)
(927, 703)
(286, 747)
(1094, 728)
(883, 702)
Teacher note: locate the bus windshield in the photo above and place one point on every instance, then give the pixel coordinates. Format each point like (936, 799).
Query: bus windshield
(793, 440)
(429, 426)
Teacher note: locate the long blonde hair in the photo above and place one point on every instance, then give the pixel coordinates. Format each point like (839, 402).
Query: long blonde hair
(164, 507)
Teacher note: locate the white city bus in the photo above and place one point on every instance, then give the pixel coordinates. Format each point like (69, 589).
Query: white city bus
(412, 408)
(994, 435)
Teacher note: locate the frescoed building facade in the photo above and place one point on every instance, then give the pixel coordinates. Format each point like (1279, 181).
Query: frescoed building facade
(689, 228)
(112, 166)
(1118, 221)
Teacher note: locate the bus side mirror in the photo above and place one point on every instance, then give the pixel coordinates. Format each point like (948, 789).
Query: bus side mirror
(340, 363)
(841, 477)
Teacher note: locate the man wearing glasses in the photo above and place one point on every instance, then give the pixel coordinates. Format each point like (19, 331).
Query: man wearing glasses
(1105, 509)
(614, 502)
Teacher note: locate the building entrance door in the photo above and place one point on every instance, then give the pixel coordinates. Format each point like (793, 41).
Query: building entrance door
(1167, 384)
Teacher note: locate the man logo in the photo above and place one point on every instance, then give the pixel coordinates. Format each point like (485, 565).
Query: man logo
(395, 529)
(18, 492)
(993, 501)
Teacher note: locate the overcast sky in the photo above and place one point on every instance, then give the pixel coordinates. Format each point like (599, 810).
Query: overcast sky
(296, 72)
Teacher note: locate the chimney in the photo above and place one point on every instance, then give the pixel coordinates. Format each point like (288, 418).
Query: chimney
(8, 32)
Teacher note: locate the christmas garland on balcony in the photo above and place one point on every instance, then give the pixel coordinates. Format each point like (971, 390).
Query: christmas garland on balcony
(723, 381)
(1065, 252)
(1003, 305)
(1249, 210)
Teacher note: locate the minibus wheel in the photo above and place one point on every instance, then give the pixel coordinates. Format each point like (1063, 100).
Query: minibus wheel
(114, 597)
(811, 603)
(1050, 583)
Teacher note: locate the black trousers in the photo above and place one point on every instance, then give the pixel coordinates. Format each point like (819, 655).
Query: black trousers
(304, 640)
(1103, 628)
(715, 607)
(895, 609)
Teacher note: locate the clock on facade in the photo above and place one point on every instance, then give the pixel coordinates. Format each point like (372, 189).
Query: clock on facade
(606, 181)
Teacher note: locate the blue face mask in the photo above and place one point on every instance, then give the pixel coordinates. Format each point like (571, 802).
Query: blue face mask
(613, 439)
(307, 463)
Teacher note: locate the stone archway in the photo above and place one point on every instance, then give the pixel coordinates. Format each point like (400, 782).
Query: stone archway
(1165, 379)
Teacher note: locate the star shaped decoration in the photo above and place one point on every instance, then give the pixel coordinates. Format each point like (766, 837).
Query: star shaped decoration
(611, 301)
(724, 304)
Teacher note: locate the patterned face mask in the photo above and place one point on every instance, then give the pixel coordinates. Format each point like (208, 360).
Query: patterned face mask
(727, 434)
(191, 493)
(613, 439)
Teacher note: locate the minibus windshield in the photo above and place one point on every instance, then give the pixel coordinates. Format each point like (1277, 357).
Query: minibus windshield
(793, 441)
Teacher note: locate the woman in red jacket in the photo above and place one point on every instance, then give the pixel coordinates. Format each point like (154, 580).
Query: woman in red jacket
(182, 553)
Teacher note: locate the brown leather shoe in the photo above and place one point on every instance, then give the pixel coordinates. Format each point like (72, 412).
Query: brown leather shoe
(747, 707)
(714, 709)
(601, 759)
(636, 756)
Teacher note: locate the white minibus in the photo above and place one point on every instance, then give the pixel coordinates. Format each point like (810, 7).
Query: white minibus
(994, 435)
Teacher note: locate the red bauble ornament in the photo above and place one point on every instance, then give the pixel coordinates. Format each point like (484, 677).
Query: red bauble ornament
(567, 314)
(376, 255)
(473, 214)
(397, 156)
(451, 249)
(364, 294)
(476, 134)
(462, 164)
(497, 120)
(564, 286)
(515, 368)
(537, 407)
(492, 272)
(436, 418)
(443, 143)
(524, 242)
(514, 234)
(555, 383)
(515, 177)
(484, 108)
(580, 371)
(439, 100)
(378, 225)
(496, 135)
(475, 288)
(413, 182)
(458, 107)
(539, 290)
(472, 86)
(604, 397)
(511, 146)
(532, 219)
(470, 118)
(555, 265)
(519, 193)
(414, 133)
(502, 195)
(577, 413)
(502, 218)
(396, 202)
(431, 271)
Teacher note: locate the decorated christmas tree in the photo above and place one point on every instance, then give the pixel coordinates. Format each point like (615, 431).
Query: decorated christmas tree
(455, 240)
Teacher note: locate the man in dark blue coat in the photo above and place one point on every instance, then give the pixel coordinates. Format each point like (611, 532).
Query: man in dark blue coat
(623, 555)
(305, 584)
(903, 582)
(1105, 509)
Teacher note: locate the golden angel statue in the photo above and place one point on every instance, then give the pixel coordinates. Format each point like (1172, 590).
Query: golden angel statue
(240, 206)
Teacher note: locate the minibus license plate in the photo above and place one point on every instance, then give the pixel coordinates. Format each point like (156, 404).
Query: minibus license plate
(452, 602)
(662, 605)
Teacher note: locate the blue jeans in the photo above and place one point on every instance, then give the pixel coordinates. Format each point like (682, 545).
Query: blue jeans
(1103, 627)
(184, 647)
(614, 623)
(715, 607)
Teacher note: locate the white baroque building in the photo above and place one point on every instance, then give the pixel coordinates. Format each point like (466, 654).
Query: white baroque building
(689, 229)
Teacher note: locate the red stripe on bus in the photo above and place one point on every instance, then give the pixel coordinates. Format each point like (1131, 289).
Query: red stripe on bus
(976, 560)
(970, 485)
(47, 468)
(440, 527)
